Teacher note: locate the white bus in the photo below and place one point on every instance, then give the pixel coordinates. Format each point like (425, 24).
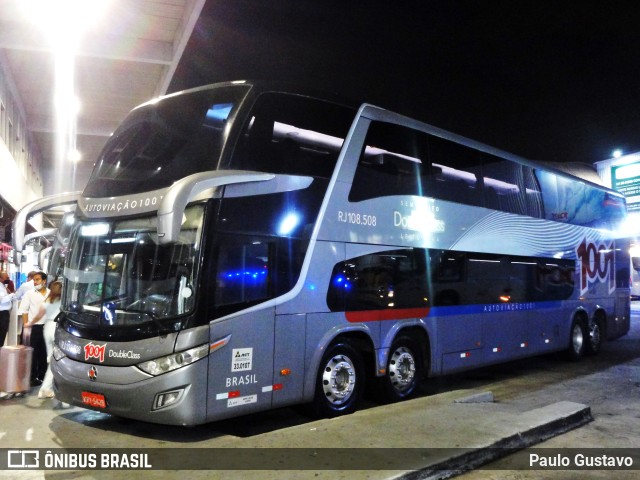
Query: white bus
(241, 247)
(635, 272)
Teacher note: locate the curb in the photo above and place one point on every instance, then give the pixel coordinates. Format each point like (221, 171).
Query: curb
(564, 416)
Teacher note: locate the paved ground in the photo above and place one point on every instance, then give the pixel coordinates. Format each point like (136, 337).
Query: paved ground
(613, 394)
(533, 399)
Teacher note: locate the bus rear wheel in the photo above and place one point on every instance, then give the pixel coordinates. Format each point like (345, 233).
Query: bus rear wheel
(340, 381)
(404, 370)
(578, 338)
(595, 337)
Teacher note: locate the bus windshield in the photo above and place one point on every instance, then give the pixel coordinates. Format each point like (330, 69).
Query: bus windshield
(117, 273)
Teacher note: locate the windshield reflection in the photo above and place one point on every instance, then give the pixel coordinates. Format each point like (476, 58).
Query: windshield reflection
(118, 274)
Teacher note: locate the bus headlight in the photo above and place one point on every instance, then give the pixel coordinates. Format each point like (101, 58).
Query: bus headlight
(174, 361)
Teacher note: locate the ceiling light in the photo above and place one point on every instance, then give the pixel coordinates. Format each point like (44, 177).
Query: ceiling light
(74, 156)
(64, 20)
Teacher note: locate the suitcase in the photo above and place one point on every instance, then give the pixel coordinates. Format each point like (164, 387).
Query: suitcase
(15, 367)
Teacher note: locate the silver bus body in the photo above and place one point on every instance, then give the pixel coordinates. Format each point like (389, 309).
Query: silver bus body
(370, 283)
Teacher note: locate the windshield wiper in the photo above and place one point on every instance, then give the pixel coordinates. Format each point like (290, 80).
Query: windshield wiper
(84, 316)
(151, 315)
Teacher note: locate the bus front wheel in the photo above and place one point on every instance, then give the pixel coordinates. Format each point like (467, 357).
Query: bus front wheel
(340, 381)
(404, 370)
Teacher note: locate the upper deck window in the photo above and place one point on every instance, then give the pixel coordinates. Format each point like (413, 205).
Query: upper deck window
(398, 160)
(403, 161)
(292, 134)
(162, 142)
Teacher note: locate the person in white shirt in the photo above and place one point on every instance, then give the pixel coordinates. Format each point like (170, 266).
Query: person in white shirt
(30, 308)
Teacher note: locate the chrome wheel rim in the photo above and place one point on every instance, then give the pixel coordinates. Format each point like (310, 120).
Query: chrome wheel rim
(594, 334)
(339, 379)
(402, 369)
(577, 338)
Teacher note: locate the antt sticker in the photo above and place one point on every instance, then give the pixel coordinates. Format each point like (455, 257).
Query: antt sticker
(242, 359)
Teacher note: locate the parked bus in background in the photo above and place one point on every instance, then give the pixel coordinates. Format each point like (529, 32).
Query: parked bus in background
(635, 272)
(52, 241)
(241, 247)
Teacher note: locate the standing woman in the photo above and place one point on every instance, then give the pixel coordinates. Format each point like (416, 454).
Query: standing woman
(6, 295)
(49, 311)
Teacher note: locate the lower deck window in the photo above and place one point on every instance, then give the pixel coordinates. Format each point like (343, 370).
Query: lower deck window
(414, 278)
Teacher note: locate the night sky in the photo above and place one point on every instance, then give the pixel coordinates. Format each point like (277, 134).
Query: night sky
(547, 80)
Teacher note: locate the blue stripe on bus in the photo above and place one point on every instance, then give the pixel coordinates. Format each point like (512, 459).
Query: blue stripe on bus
(491, 308)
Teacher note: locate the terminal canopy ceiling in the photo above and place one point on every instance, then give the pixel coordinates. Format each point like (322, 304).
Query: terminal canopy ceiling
(124, 58)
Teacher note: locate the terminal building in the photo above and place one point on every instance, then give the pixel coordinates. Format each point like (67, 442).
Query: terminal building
(623, 175)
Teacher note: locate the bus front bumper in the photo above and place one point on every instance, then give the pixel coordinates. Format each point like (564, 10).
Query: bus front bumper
(174, 398)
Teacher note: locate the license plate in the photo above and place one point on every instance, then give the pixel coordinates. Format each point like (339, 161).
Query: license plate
(94, 399)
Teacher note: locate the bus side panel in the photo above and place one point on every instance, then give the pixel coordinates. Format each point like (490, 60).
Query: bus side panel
(549, 325)
(506, 334)
(288, 359)
(241, 372)
(619, 323)
(459, 338)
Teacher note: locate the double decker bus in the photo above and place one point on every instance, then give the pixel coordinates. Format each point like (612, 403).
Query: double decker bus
(241, 247)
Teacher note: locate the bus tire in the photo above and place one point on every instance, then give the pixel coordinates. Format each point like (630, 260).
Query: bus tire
(595, 337)
(578, 339)
(340, 381)
(403, 372)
